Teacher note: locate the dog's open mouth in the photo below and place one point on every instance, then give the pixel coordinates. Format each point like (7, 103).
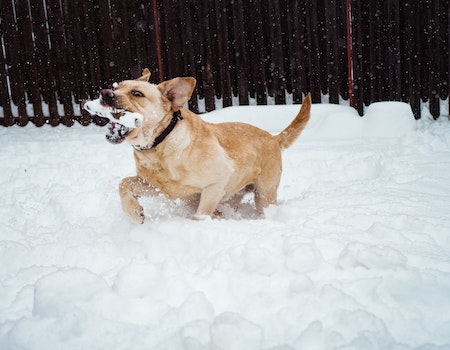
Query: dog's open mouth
(116, 132)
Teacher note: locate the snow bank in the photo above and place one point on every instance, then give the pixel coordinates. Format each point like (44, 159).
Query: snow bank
(354, 256)
(382, 119)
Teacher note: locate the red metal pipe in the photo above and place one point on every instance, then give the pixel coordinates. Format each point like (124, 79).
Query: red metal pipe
(158, 40)
(349, 52)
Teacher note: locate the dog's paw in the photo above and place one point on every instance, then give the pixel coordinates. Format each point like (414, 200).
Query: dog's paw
(201, 217)
(140, 218)
(136, 214)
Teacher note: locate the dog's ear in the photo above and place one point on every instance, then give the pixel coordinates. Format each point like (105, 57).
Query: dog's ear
(145, 75)
(178, 90)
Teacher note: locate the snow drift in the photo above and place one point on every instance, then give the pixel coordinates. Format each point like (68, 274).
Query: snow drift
(355, 256)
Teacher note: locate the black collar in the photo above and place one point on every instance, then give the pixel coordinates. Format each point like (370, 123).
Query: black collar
(175, 118)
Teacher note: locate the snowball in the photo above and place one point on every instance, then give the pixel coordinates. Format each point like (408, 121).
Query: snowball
(128, 119)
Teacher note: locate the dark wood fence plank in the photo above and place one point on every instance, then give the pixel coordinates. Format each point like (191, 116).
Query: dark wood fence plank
(223, 52)
(357, 55)
(313, 33)
(433, 51)
(59, 65)
(275, 69)
(189, 39)
(14, 62)
(443, 39)
(255, 47)
(31, 66)
(207, 72)
(332, 52)
(239, 53)
(7, 28)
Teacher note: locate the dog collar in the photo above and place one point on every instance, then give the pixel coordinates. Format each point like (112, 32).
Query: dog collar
(175, 118)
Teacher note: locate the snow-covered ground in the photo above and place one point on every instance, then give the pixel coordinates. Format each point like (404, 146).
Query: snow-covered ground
(355, 256)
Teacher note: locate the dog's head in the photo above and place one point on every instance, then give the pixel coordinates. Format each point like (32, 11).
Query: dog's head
(153, 102)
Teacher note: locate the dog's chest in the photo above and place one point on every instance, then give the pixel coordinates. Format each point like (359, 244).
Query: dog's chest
(167, 176)
(148, 162)
(151, 164)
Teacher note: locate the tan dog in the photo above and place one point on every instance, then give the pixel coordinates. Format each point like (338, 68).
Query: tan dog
(182, 156)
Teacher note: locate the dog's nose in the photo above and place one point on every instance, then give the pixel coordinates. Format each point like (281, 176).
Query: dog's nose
(107, 97)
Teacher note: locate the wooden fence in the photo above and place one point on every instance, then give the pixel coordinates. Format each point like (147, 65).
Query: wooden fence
(55, 53)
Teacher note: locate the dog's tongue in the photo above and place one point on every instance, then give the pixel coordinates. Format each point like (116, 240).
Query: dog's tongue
(116, 132)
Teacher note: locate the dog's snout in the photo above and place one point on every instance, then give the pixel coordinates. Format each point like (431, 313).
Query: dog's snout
(107, 97)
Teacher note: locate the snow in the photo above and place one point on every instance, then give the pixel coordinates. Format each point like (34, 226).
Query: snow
(356, 255)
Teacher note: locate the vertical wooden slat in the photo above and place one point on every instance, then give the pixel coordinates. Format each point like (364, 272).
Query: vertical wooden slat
(374, 46)
(357, 55)
(393, 13)
(241, 51)
(258, 59)
(172, 49)
(448, 54)
(223, 52)
(102, 16)
(148, 35)
(412, 57)
(295, 36)
(187, 39)
(365, 82)
(303, 49)
(444, 34)
(313, 51)
(79, 62)
(341, 17)
(332, 52)
(30, 82)
(6, 27)
(59, 64)
(15, 63)
(433, 51)
(5, 101)
(276, 66)
(207, 56)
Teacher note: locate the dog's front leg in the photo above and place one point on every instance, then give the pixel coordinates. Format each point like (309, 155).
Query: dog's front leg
(209, 199)
(130, 189)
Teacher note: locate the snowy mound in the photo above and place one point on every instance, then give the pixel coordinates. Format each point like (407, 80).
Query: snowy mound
(354, 256)
(382, 119)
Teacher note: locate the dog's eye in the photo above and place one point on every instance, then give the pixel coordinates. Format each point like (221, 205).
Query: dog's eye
(136, 93)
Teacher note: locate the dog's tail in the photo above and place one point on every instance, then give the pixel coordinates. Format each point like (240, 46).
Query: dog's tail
(287, 137)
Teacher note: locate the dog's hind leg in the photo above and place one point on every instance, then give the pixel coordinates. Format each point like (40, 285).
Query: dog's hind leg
(130, 189)
(266, 187)
(236, 199)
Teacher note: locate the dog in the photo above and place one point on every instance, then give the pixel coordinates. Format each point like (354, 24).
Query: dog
(180, 155)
